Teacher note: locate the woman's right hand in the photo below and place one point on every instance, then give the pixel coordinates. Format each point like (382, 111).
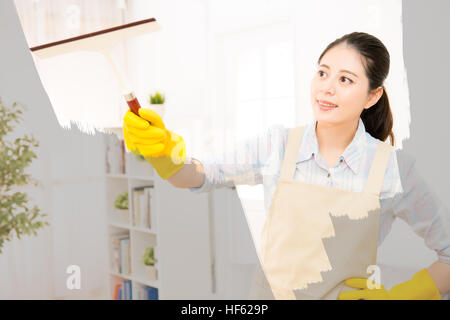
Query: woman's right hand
(147, 135)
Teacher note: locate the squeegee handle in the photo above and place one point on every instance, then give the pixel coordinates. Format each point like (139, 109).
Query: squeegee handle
(133, 103)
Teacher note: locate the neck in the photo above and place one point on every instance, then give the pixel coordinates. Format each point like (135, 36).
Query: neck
(335, 137)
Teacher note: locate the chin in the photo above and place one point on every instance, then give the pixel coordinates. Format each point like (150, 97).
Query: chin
(326, 119)
(326, 116)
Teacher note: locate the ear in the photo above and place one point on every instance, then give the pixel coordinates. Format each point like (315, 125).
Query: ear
(374, 97)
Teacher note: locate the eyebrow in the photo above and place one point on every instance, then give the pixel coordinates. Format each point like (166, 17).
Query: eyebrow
(324, 65)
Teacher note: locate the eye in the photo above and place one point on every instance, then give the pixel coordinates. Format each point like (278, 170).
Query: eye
(320, 72)
(350, 81)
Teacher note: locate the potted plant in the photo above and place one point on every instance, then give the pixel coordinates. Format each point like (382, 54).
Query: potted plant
(157, 103)
(121, 203)
(16, 215)
(148, 259)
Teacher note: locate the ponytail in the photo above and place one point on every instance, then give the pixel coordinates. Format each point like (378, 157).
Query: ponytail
(378, 119)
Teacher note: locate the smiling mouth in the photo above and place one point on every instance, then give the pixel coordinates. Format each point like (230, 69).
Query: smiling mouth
(325, 106)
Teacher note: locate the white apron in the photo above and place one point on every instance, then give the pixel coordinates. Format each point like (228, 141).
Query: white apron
(315, 236)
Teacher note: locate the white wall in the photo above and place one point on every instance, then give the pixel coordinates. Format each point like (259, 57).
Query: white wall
(71, 192)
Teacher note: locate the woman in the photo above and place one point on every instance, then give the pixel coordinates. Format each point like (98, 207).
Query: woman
(321, 181)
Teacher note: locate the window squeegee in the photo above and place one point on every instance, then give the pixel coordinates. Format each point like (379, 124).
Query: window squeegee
(102, 41)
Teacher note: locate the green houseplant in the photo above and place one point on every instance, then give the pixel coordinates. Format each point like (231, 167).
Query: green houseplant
(121, 203)
(17, 216)
(157, 98)
(157, 102)
(148, 259)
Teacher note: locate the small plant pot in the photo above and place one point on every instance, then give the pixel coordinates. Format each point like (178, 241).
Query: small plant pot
(151, 273)
(159, 109)
(124, 216)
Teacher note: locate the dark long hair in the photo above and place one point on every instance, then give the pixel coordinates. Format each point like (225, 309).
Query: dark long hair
(377, 119)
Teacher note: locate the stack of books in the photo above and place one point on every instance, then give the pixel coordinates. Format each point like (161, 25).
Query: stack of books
(143, 207)
(121, 257)
(123, 291)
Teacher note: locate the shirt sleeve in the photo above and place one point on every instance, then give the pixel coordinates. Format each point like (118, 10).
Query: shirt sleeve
(242, 162)
(419, 206)
(392, 181)
(392, 187)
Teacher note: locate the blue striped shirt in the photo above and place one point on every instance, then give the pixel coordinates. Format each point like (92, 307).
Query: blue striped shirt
(404, 193)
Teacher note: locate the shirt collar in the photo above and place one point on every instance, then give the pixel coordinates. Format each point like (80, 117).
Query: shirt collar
(351, 155)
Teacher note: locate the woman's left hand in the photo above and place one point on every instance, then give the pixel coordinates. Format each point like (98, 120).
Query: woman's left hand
(419, 287)
(364, 293)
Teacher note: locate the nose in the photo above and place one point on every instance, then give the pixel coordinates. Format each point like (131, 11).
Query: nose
(329, 86)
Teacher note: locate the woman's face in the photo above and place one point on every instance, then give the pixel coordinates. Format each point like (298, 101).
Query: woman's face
(347, 89)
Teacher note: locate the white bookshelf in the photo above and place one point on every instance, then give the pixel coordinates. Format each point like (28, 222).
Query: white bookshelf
(119, 222)
(189, 238)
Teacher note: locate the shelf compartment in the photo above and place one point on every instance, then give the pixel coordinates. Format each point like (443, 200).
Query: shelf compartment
(120, 251)
(113, 189)
(140, 242)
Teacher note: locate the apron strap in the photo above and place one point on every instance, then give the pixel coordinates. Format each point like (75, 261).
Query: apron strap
(377, 170)
(290, 154)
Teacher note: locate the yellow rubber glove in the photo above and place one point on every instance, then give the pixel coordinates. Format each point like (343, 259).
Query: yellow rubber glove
(147, 135)
(420, 287)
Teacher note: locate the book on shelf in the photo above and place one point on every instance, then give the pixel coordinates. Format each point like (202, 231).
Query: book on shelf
(127, 290)
(117, 291)
(115, 155)
(122, 157)
(148, 293)
(143, 215)
(125, 265)
(136, 213)
(121, 262)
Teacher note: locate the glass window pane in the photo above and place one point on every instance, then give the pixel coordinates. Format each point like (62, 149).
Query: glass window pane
(249, 118)
(250, 74)
(279, 65)
(280, 111)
